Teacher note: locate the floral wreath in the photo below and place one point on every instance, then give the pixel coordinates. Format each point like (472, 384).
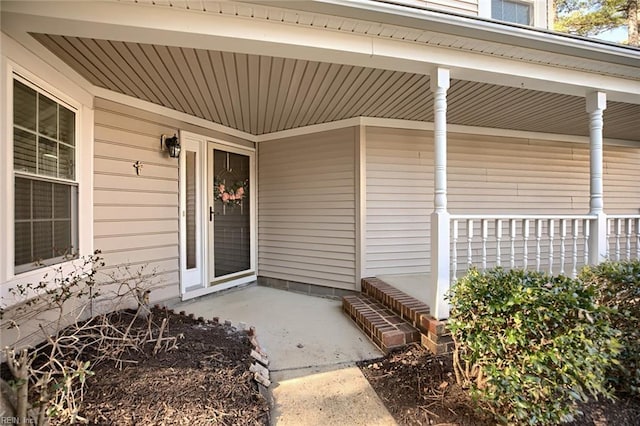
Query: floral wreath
(230, 194)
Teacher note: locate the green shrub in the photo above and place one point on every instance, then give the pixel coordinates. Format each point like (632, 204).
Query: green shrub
(529, 346)
(618, 287)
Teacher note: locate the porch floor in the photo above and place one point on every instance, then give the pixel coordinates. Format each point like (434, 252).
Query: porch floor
(312, 348)
(414, 285)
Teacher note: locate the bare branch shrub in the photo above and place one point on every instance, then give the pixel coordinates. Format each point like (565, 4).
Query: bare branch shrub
(50, 378)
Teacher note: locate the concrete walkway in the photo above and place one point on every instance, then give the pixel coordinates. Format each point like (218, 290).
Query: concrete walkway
(312, 348)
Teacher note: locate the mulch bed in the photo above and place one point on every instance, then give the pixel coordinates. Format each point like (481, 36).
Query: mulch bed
(204, 381)
(420, 389)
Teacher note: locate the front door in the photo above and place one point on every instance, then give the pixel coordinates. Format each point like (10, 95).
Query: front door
(231, 226)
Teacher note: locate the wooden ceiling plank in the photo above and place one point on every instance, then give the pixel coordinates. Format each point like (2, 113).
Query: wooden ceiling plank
(254, 91)
(419, 100)
(355, 107)
(333, 83)
(141, 53)
(351, 90)
(277, 64)
(90, 57)
(145, 69)
(340, 94)
(544, 103)
(467, 96)
(312, 95)
(210, 78)
(283, 87)
(306, 82)
(414, 85)
(389, 92)
(128, 70)
(61, 47)
(165, 64)
(293, 92)
(186, 70)
(323, 83)
(223, 87)
(231, 74)
(263, 91)
(241, 64)
(381, 84)
(200, 84)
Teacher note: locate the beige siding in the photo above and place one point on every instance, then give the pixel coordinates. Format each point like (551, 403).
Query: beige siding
(621, 180)
(136, 217)
(399, 201)
(306, 209)
(464, 7)
(486, 175)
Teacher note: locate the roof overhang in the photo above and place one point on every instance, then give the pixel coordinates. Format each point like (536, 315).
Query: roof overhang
(519, 70)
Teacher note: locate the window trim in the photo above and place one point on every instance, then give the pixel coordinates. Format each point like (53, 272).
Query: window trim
(529, 3)
(57, 85)
(75, 215)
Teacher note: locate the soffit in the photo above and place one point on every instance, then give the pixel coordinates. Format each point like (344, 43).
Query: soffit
(263, 94)
(420, 31)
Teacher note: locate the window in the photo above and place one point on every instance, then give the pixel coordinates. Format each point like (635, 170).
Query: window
(46, 191)
(512, 11)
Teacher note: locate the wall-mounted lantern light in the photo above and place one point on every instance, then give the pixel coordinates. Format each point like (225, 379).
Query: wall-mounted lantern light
(172, 144)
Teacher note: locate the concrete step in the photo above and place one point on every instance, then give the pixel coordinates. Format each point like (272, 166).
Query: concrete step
(386, 329)
(406, 307)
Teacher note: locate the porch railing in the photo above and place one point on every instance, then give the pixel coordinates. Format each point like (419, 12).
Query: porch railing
(623, 237)
(555, 244)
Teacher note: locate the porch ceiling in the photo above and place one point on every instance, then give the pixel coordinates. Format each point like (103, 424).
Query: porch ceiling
(263, 94)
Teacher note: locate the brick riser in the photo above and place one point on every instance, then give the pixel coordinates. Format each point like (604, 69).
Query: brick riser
(406, 307)
(392, 318)
(387, 330)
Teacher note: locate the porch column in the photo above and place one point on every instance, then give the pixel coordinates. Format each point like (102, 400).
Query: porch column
(440, 248)
(596, 104)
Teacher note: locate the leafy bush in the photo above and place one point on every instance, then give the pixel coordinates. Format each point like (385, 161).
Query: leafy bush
(528, 345)
(618, 287)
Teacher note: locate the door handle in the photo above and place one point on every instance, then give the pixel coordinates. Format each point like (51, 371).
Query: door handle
(211, 214)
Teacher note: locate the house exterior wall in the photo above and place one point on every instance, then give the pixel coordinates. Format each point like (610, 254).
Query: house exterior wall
(479, 8)
(136, 218)
(486, 175)
(306, 209)
(465, 7)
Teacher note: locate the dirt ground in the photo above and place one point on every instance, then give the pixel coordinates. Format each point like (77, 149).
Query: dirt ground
(205, 381)
(420, 389)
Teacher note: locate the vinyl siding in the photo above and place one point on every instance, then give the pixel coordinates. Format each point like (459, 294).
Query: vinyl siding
(136, 217)
(469, 7)
(306, 209)
(486, 175)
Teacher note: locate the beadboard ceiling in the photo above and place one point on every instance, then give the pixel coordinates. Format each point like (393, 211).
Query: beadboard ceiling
(263, 94)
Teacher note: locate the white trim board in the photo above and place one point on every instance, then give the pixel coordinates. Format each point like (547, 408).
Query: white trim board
(428, 126)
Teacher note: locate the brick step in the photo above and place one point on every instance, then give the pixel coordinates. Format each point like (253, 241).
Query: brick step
(387, 330)
(406, 307)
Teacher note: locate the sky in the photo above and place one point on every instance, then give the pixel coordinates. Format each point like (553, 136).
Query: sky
(616, 35)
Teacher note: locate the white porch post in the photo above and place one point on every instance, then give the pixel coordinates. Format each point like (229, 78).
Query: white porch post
(596, 104)
(440, 248)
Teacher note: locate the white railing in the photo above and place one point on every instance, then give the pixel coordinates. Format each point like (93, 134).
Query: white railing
(556, 244)
(623, 237)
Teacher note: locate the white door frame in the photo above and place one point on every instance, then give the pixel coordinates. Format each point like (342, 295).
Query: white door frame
(200, 282)
(192, 279)
(248, 275)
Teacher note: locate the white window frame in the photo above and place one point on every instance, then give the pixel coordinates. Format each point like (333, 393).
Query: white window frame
(538, 11)
(528, 4)
(60, 88)
(73, 183)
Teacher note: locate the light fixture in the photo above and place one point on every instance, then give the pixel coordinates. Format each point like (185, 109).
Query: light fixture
(172, 144)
